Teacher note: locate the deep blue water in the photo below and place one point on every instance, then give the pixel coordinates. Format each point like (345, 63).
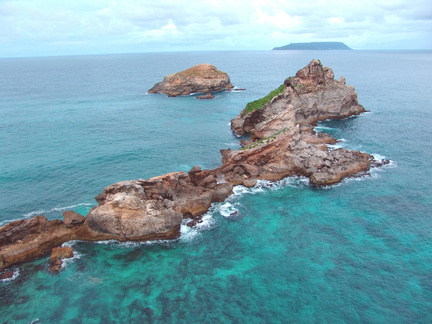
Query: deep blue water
(357, 252)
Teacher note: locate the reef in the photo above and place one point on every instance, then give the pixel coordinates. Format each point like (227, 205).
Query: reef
(202, 78)
(281, 143)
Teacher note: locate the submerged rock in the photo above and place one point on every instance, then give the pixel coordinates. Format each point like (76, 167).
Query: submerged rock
(202, 78)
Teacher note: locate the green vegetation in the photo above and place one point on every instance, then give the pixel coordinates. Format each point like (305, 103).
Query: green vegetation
(265, 140)
(258, 104)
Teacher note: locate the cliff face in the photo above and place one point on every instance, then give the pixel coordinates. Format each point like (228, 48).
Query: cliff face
(200, 78)
(282, 143)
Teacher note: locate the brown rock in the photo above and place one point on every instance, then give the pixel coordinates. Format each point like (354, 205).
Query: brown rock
(7, 274)
(208, 95)
(57, 256)
(72, 219)
(18, 230)
(200, 78)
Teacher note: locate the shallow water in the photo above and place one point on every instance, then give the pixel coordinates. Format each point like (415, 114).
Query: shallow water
(355, 252)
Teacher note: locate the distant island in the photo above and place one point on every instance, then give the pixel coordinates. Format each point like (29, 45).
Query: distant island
(314, 46)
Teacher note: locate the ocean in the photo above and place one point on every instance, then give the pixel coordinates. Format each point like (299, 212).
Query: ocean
(356, 252)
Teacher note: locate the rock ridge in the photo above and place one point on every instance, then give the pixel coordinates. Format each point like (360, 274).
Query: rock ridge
(282, 142)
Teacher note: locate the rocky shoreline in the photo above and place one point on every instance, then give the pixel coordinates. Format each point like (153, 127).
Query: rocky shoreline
(282, 143)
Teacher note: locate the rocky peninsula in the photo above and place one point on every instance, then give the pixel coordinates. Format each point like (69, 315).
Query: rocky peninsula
(282, 142)
(202, 78)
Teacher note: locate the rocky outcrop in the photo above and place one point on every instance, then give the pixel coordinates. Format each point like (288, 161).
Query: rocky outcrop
(282, 139)
(311, 96)
(57, 256)
(133, 210)
(200, 78)
(28, 239)
(282, 143)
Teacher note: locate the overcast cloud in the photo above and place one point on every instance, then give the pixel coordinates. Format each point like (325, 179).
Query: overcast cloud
(50, 27)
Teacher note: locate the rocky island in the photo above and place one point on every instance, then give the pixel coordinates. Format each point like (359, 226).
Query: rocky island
(282, 142)
(202, 78)
(315, 46)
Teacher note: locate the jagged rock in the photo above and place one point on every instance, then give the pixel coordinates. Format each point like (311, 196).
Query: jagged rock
(202, 78)
(72, 219)
(57, 256)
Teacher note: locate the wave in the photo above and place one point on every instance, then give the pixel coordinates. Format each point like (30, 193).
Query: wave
(55, 209)
(378, 157)
(76, 255)
(35, 321)
(132, 244)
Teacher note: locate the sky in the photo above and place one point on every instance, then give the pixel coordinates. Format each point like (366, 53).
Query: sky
(73, 27)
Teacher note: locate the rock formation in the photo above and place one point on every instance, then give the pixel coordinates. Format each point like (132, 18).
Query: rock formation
(57, 256)
(282, 139)
(282, 143)
(200, 78)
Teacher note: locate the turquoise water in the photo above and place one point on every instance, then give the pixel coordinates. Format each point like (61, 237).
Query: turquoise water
(357, 252)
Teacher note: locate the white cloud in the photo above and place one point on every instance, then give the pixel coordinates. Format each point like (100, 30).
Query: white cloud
(143, 25)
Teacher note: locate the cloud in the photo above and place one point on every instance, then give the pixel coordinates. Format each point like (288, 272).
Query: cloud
(132, 25)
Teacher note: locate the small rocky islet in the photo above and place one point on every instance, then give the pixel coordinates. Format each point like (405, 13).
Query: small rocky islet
(282, 143)
(201, 78)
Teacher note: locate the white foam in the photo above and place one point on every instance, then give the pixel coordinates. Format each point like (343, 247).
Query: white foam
(132, 244)
(35, 321)
(338, 145)
(14, 276)
(232, 144)
(187, 234)
(55, 209)
(227, 210)
(322, 128)
(207, 222)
